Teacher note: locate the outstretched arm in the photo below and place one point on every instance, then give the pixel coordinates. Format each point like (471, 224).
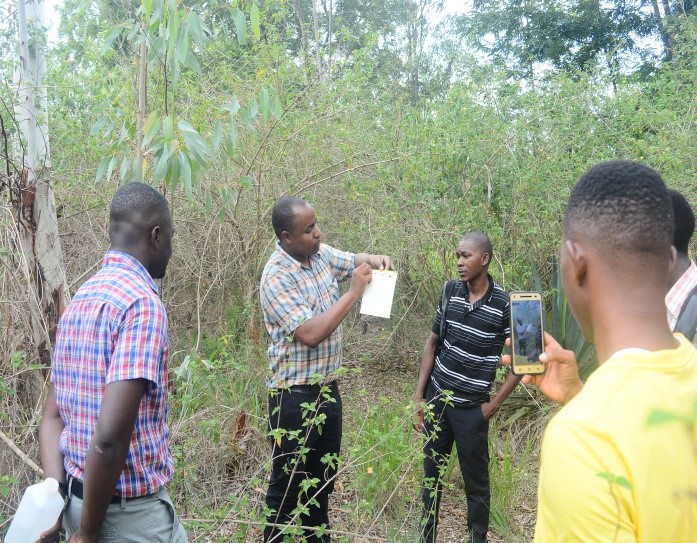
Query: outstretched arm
(315, 330)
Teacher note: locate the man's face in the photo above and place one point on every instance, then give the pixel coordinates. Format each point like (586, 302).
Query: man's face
(163, 250)
(470, 260)
(304, 240)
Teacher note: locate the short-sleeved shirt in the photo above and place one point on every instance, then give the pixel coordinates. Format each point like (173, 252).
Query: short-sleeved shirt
(115, 329)
(618, 461)
(678, 294)
(469, 353)
(292, 293)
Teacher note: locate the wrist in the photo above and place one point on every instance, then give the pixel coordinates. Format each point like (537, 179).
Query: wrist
(572, 393)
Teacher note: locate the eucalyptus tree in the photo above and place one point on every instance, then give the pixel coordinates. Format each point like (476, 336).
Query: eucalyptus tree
(26, 176)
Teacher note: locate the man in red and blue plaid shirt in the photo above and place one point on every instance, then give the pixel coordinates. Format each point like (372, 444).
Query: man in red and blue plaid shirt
(303, 313)
(104, 433)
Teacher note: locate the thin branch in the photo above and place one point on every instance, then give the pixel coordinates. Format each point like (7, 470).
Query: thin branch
(15, 449)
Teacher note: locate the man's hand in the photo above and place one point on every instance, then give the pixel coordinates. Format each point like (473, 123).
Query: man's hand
(377, 262)
(52, 534)
(489, 409)
(560, 381)
(362, 275)
(381, 262)
(418, 415)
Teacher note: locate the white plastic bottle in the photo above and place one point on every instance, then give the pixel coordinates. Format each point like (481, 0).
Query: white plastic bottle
(38, 511)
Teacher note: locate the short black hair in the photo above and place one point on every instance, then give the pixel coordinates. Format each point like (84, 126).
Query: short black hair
(622, 206)
(684, 221)
(136, 208)
(283, 214)
(481, 240)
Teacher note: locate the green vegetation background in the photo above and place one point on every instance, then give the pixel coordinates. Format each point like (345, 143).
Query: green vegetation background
(403, 136)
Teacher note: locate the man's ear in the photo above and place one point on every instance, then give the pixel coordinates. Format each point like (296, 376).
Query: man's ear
(578, 260)
(155, 237)
(285, 238)
(486, 258)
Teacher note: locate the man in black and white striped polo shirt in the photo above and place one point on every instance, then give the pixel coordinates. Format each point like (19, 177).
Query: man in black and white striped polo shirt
(456, 376)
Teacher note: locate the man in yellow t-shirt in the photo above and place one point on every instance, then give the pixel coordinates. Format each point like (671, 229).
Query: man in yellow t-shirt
(619, 461)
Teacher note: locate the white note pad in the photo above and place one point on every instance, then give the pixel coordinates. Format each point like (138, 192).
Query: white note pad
(378, 295)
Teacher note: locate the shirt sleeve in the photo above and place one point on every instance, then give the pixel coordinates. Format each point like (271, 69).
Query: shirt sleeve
(506, 317)
(283, 303)
(140, 342)
(583, 493)
(343, 263)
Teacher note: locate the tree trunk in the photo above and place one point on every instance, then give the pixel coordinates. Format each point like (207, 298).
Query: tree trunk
(303, 32)
(318, 50)
(32, 193)
(142, 107)
(662, 30)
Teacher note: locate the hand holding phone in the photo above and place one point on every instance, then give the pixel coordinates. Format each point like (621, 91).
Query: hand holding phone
(527, 333)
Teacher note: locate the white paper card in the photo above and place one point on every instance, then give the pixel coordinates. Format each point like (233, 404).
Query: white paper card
(378, 295)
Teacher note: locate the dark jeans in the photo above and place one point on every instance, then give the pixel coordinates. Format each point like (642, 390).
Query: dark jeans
(466, 428)
(291, 466)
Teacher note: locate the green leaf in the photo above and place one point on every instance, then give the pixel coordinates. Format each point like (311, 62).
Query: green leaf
(186, 174)
(198, 29)
(125, 166)
(615, 480)
(277, 111)
(168, 127)
(192, 62)
(101, 170)
(147, 10)
(240, 26)
(253, 108)
(246, 181)
(255, 20)
(217, 136)
(233, 106)
(150, 128)
(110, 169)
(661, 417)
(264, 103)
(115, 33)
(101, 123)
(174, 173)
(161, 167)
(172, 33)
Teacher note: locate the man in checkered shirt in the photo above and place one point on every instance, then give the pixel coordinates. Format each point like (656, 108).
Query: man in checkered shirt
(683, 276)
(104, 434)
(303, 313)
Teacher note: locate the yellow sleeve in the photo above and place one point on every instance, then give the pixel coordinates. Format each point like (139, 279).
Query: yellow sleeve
(584, 492)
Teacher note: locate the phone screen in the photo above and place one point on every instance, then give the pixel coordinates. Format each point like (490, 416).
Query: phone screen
(526, 333)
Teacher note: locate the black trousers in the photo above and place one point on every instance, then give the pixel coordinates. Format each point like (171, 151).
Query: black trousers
(298, 456)
(469, 431)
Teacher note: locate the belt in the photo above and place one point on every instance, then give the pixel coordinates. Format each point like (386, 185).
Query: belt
(76, 489)
(315, 389)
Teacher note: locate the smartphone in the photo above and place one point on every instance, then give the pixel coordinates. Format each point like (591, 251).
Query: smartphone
(527, 337)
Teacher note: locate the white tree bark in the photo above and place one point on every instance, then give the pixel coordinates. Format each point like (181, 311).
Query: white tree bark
(32, 192)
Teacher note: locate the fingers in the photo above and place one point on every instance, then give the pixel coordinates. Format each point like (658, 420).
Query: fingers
(506, 359)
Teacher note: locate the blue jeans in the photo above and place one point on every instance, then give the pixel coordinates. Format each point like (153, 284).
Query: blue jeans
(291, 466)
(150, 519)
